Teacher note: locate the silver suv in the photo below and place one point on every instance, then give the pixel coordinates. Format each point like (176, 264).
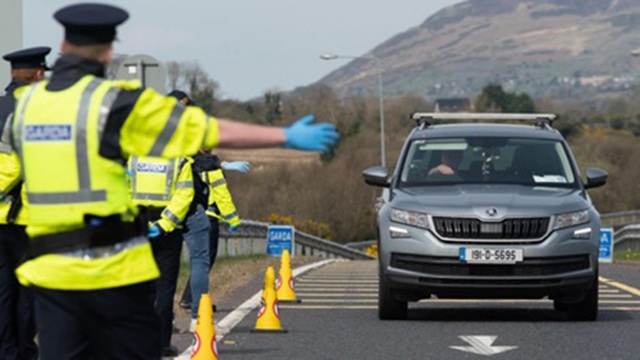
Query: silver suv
(487, 210)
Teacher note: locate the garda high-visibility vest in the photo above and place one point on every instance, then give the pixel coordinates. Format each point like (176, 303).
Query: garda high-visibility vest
(57, 135)
(220, 196)
(161, 183)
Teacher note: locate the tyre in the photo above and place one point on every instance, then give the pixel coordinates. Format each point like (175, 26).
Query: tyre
(587, 309)
(389, 308)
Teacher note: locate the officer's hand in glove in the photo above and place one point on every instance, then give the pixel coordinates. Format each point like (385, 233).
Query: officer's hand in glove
(241, 166)
(233, 228)
(305, 135)
(154, 231)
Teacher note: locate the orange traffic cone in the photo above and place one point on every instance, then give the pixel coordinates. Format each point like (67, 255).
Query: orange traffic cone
(268, 317)
(204, 338)
(284, 285)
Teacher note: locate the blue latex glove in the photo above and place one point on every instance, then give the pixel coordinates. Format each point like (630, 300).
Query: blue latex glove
(154, 231)
(233, 228)
(242, 166)
(304, 135)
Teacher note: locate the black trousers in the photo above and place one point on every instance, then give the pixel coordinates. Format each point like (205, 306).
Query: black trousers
(214, 236)
(166, 250)
(17, 323)
(117, 323)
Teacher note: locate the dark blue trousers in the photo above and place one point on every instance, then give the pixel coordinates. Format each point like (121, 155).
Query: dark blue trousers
(117, 323)
(166, 250)
(17, 324)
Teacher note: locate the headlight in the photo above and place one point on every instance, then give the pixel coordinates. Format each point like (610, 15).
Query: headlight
(571, 219)
(410, 218)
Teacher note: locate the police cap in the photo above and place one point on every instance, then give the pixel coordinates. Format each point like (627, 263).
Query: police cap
(90, 24)
(182, 97)
(30, 58)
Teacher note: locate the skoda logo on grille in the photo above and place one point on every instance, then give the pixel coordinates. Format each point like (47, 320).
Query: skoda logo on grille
(491, 212)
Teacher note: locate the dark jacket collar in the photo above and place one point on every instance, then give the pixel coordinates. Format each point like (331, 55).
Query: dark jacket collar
(69, 69)
(13, 85)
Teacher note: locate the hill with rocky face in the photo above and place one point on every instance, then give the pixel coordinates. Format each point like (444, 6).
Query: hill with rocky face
(547, 48)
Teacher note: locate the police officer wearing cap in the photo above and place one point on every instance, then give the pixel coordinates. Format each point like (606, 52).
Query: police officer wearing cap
(17, 325)
(91, 267)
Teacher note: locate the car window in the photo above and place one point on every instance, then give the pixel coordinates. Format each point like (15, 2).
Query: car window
(523, 161)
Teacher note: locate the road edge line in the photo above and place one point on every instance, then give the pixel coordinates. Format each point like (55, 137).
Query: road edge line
(224, 326)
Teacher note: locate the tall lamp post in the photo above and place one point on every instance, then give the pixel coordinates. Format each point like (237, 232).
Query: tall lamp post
(380, 95)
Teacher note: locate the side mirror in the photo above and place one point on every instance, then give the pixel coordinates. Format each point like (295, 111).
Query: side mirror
(376, 176)
(595, 178)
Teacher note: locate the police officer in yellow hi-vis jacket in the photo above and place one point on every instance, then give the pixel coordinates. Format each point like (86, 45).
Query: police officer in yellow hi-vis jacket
(220, 209)
(91, 267)
(163, 189)
(17, 325)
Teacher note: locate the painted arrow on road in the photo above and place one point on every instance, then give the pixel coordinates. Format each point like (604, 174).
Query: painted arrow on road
(482, 345)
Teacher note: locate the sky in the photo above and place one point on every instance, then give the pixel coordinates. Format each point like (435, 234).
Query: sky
(247, 46)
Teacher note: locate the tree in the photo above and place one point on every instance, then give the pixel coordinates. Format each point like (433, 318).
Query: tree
(192, 79)
(493, 98)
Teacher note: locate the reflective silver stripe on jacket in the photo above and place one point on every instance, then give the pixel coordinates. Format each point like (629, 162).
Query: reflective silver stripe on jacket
(167, 132)
(218, 182)
(106, 251)
(171, 216)
(5, 139)
(5, 148)
(184, 185)
(148, 196)
(230, 216)
(85, 193)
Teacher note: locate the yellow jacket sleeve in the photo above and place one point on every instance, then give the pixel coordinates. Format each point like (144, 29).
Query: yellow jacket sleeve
(9, 177)
(174, 214)
(219, 194)
(9, 173)
(160, 126)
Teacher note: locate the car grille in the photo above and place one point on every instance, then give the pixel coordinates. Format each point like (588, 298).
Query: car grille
(509, 229)
(454, 267)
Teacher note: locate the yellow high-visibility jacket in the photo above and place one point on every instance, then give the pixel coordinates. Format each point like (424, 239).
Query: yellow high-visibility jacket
(73, 140)
(220, 196)
(10, 187)
(158, 182)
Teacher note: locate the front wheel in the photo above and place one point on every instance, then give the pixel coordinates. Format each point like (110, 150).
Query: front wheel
(389, 308)
(587, 309)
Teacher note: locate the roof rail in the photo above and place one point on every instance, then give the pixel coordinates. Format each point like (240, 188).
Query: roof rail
(541, 120)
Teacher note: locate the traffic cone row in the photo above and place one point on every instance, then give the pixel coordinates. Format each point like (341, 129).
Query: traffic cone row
(204, 338)
(268, 316)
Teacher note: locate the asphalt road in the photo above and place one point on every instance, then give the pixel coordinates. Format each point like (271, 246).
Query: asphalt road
(337, 319)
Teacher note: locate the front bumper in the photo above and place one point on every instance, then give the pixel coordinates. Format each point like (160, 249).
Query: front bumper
(449, 278)
(560, 267)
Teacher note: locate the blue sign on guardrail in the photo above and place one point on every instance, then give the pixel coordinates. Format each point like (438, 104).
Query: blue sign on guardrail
(280, 237)
(606, 245)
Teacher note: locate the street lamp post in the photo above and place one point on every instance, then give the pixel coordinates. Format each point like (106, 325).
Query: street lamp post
(380, 95)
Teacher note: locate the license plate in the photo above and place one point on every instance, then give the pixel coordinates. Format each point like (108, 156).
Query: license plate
(490, 256)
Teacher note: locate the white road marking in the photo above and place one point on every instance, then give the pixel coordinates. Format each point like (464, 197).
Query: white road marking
(482, 345)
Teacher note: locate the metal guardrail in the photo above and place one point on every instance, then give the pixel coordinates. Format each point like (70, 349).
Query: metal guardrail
(620, 219)
(627, 238)
(254, 234)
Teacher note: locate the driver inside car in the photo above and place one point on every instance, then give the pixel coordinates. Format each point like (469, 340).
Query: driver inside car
(450, 160)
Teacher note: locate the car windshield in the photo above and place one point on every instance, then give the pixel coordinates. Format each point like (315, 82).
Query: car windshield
(487, 160)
